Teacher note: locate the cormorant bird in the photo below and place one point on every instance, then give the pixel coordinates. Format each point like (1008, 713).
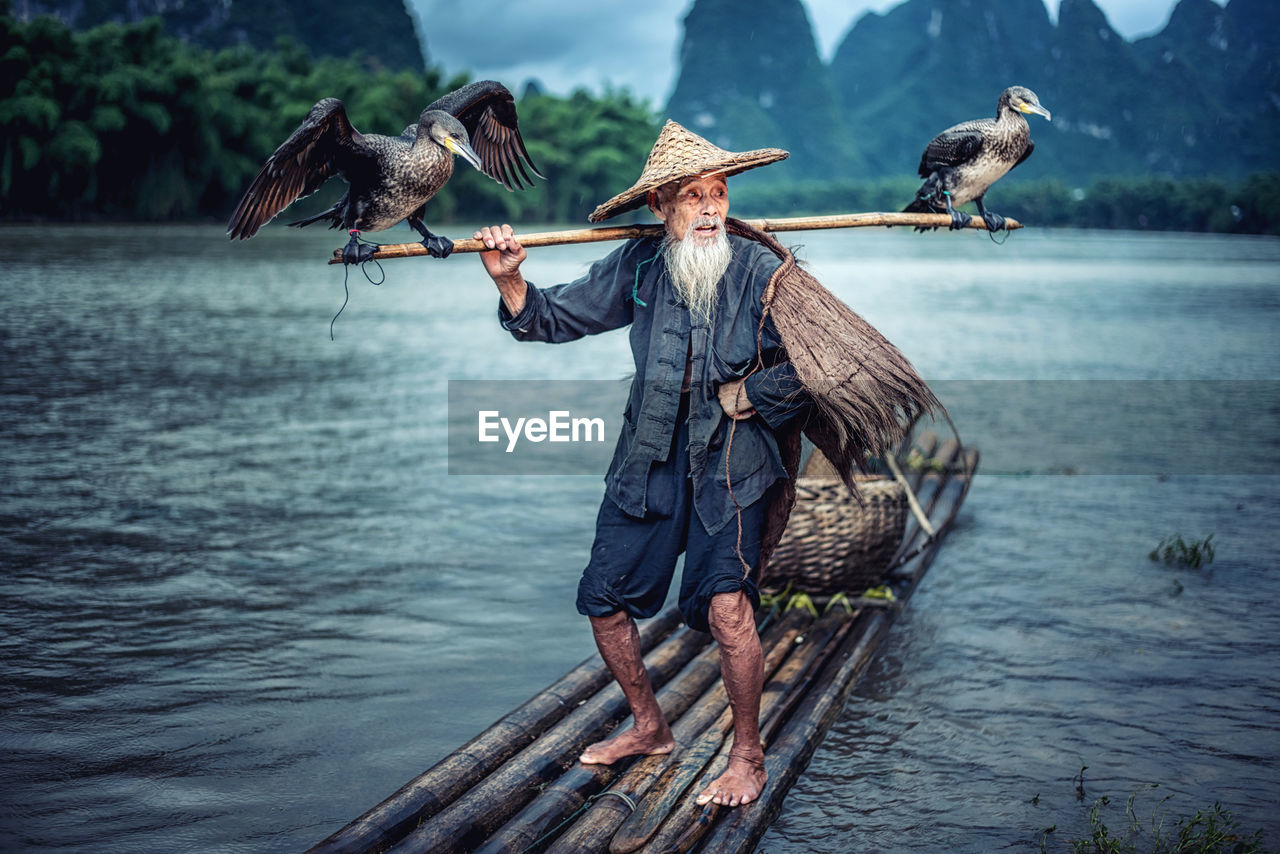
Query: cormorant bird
(962, 162)
(390, 178)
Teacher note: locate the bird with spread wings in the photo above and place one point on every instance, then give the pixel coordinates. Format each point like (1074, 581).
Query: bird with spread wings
(390, 178)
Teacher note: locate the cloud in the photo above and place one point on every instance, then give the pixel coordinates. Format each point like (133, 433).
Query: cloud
(570, 44)
(565, 45)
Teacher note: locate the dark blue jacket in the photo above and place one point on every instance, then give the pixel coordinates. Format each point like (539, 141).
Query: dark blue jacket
(631, 286)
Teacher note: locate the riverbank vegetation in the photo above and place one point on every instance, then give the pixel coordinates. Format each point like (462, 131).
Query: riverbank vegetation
(122, 122)
(1147, 203)
(125, 123)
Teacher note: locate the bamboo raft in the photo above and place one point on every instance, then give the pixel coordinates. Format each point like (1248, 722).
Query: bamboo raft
(517, 786)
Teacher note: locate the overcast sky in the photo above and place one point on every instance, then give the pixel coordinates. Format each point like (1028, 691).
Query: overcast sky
(566, 44)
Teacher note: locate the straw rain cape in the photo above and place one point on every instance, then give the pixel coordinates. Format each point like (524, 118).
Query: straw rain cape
(866, 393)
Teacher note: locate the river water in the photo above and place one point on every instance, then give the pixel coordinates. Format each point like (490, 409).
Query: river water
(243, 598)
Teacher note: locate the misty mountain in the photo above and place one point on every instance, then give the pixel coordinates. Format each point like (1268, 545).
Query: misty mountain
(1231, 59)
(382, 31)
(756, 80)
(1202, 97)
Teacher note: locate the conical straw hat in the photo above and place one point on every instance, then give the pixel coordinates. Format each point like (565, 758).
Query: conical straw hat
(680, 153)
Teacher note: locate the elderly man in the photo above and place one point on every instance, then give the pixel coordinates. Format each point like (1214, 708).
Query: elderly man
(697, 452)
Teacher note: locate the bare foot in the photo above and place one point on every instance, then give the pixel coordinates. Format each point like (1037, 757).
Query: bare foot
(629, 743)
(741, 783)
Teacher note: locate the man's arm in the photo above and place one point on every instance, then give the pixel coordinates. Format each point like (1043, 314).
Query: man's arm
(777, 394)
(595, 302)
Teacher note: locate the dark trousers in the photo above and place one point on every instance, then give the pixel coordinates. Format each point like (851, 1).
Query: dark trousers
(633, 559)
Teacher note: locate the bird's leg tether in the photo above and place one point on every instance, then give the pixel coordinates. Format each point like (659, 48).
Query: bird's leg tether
(346, 269)
(994, 221)
(357, 251)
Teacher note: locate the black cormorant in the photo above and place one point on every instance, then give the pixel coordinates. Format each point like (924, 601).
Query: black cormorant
(962, 162)
(390, 178)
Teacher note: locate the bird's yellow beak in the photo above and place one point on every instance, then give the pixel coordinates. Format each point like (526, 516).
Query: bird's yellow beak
(466, 152)
(1035, 108)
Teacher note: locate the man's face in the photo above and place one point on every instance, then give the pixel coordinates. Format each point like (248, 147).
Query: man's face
(699, 197)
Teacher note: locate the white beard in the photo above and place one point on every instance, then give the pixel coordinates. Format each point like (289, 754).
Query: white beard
(697, 266)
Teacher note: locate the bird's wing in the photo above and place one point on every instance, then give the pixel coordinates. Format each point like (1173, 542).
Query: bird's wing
(1031, 146)
(488, 112)
(953, 146)
(303, 162)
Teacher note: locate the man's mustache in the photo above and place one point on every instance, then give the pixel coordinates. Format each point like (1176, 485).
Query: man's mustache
(700, 222)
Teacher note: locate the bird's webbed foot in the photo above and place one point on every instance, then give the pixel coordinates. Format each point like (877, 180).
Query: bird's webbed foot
(437, 246)
(959, 219)
(994, 221)
(356, 252)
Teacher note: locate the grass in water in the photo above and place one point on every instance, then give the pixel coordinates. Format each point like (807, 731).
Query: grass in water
(1176, 551)
(1209, 831)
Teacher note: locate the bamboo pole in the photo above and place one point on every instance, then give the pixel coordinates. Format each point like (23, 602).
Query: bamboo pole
(627, 232)
(435, 789)
(929, 493)
(926, 444)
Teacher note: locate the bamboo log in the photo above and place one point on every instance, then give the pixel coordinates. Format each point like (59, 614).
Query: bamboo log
(688, 822)
(924, 483)
(800, 737)
(927, 445)
(570, 791)
(432, 791)
(627, 232)
(656, 810)
(591, 832)
(943, 493)
(704, 821)
(928, 493)
(467, 821)
(695, 831)
(912, 543)
(946, 495)
(502, 790)
(526, 831)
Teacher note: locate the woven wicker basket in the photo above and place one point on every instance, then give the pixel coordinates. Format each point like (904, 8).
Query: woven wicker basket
(832, 542)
